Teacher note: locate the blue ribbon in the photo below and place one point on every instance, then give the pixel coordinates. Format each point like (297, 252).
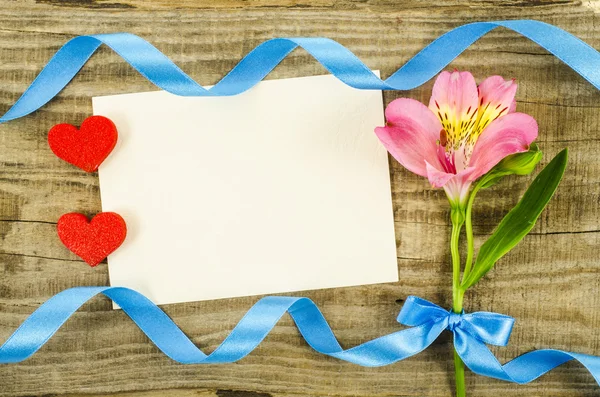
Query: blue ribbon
(471, 331)
(337, 59)
(427, 321)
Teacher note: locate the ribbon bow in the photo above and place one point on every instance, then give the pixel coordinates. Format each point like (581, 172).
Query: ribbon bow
(471, 332)
(486, 327)
(474, 330)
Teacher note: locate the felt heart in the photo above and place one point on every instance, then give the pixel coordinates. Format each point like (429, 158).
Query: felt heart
(86, 147)
(92, 241)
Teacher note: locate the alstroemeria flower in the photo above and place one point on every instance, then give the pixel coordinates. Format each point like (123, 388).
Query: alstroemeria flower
(465, 131)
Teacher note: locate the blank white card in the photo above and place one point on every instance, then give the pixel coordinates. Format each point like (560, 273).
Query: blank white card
(282, 188)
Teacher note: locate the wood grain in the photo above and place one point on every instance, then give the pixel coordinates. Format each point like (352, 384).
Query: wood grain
(550, 282)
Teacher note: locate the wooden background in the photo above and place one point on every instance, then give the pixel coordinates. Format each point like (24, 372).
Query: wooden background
(550, 282)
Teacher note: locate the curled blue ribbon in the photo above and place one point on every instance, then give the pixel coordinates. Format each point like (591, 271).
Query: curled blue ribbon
(427, 321)
(337, 59)
(471, 331)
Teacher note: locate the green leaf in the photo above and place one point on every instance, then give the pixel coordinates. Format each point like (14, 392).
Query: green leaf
(515, 164)
(520, 220)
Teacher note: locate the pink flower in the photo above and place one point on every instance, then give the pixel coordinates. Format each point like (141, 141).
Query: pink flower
(465, 131)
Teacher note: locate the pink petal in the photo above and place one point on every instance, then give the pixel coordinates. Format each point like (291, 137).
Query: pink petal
(497, 96)
(506, 135)
(458, 90)
(411, 134)
(456, 185)
(436, 177)
(454, 100)
(446, 165)
(457, 188)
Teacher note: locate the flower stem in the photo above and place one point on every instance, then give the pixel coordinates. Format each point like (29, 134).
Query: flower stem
(458, 219)
(457, 223)
(469, 232)
(459, 376)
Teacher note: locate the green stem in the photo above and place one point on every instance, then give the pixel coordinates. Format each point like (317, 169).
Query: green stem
(457, 224)
(469, 231)
(459, 376)
(458, 219)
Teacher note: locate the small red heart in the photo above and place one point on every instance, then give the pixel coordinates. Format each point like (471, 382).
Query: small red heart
(92, 241)
(86, 147)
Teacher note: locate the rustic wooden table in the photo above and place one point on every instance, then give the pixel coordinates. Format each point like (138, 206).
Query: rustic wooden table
(550, 283)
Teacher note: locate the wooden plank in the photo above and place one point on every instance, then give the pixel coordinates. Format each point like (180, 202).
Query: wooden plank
(550, 283)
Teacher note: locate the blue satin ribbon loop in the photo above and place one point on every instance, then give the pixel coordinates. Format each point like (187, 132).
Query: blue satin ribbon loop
(472, 331)
(338, 60)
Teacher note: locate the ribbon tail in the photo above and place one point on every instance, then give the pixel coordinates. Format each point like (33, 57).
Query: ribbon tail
(57, 73)
(534, 364)
(571, 50)
(394, 347)
(35, 331)
(523, 369)
(43, 323)
(251, 330)
(477, 357)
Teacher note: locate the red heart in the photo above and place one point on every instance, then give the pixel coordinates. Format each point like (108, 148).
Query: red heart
(87, 147)
(92, 241)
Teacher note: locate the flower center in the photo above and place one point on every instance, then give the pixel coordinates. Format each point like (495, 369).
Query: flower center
(462, 129)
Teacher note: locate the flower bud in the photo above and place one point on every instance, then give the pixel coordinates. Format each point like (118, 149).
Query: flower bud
(520, 163)
(515, 164)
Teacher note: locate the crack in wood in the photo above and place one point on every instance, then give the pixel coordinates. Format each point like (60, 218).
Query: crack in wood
(43, 257)
(241, 393)
(94, 4)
